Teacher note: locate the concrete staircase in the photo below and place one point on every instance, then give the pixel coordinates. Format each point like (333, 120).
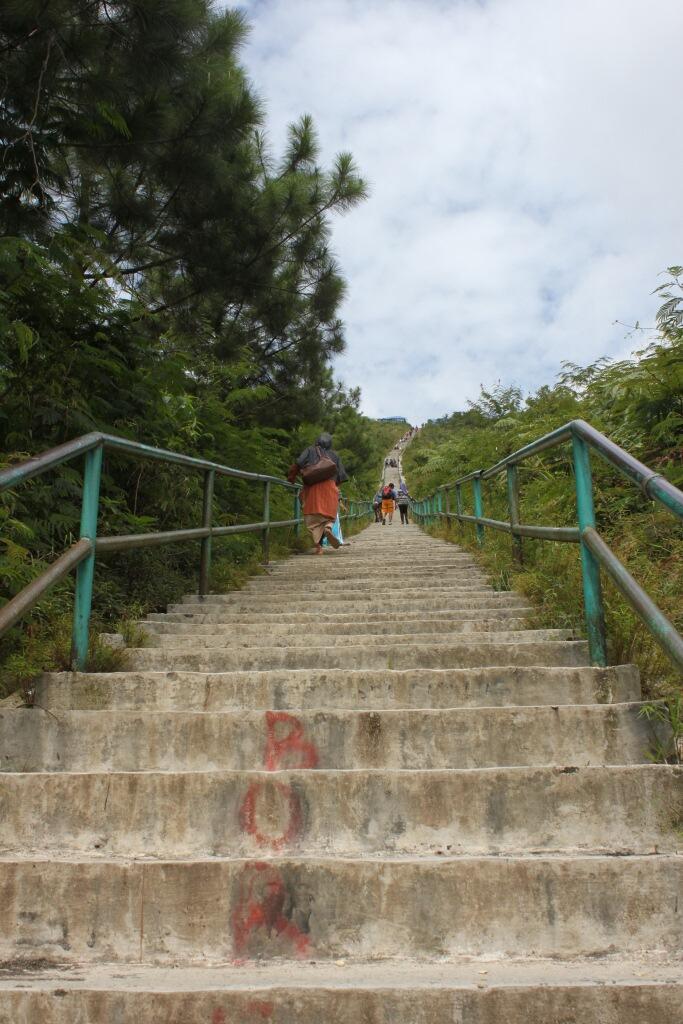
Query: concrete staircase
(359, 790)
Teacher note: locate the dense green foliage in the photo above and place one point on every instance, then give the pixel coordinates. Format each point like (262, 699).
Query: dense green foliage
(639, 404)
(163, 276)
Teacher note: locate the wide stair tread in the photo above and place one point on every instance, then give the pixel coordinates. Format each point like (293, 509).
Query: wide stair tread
(615, 990)
(371, 760)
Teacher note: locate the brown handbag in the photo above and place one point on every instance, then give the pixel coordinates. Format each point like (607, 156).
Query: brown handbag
(324, 469)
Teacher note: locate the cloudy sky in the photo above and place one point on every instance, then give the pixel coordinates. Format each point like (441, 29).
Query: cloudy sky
(525, 159)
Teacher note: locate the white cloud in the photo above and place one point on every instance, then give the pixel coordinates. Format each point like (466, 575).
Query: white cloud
(525, 161)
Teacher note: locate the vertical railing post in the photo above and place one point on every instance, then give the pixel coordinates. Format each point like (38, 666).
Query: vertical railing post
(265, 533)
(513, 503)
(595, 622)
(85, 574)
(478, 508)
(439, 506)
(297, 511)
(458, 505)
(207, 522)
(448, 509)
(592, 590)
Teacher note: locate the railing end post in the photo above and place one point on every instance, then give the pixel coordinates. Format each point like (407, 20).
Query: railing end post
(85, 573)
(478, 508)
(590, 567)
(265, 535)
(207, 521)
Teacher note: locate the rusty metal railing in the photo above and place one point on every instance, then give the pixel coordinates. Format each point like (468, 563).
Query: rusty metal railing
(81, 555)
(595, 553)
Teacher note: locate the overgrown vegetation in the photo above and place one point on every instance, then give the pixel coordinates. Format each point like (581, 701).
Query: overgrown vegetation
(667, 743)
(637, 402)
(165, 277)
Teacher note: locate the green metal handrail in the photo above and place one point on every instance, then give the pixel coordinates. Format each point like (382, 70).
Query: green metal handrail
(81, 555)
(595, 553)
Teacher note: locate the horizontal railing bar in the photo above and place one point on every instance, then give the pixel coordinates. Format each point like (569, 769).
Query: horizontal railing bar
(557, 436)
(495, 524)
(141, 540)
(31, 594)
(38, 464)
(656, 621)
(654, 485)
(164, 455)
(224, 531)
(560, 533)
(461, 480)
(126, 542)
(567, 534)
(64, 452)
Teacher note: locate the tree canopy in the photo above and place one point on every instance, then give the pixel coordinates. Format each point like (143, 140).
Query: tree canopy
(164, 275)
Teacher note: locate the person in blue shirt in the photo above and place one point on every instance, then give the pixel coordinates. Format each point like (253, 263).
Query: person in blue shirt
(403, 501)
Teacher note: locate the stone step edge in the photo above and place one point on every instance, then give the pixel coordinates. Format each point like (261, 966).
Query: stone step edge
(292, 859)
(406, 973)
(373, 674)
(224, 639)
(319, 773)
(473, 710)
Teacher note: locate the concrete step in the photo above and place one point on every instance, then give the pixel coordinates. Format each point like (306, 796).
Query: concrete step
(381, 582)
(344, 601)
(83, 911)
(315, 611)
(345, 813)
(463, 654)
(361, 595)
(234, 639)
(242, 602)
(34, 740)
(296, 689)
(331, 629)
(225, 617)
(419, 570)
(610, 990)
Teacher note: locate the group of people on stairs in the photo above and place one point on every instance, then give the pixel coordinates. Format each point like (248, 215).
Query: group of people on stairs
(387, 500)
(322, 472)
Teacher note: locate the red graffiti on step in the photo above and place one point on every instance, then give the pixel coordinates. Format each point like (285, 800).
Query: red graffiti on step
(261, 1008)
(249, 817)
(256, 1009)
(291, 750)
(262, 905)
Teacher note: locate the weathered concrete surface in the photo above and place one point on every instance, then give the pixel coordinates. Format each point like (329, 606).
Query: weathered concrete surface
(488, 604)
(413, 787)
(301, 597)
(504, 620)
(459, 654)
(602, 991)
(33, 740)
(257, 814)
(299, 689)
(372, 603)
(225, 909)
(236, 639)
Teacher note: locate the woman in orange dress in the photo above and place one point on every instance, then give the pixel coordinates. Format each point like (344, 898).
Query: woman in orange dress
(320, 501)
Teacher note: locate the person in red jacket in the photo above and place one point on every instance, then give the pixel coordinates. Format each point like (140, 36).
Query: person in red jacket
(320, 502)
